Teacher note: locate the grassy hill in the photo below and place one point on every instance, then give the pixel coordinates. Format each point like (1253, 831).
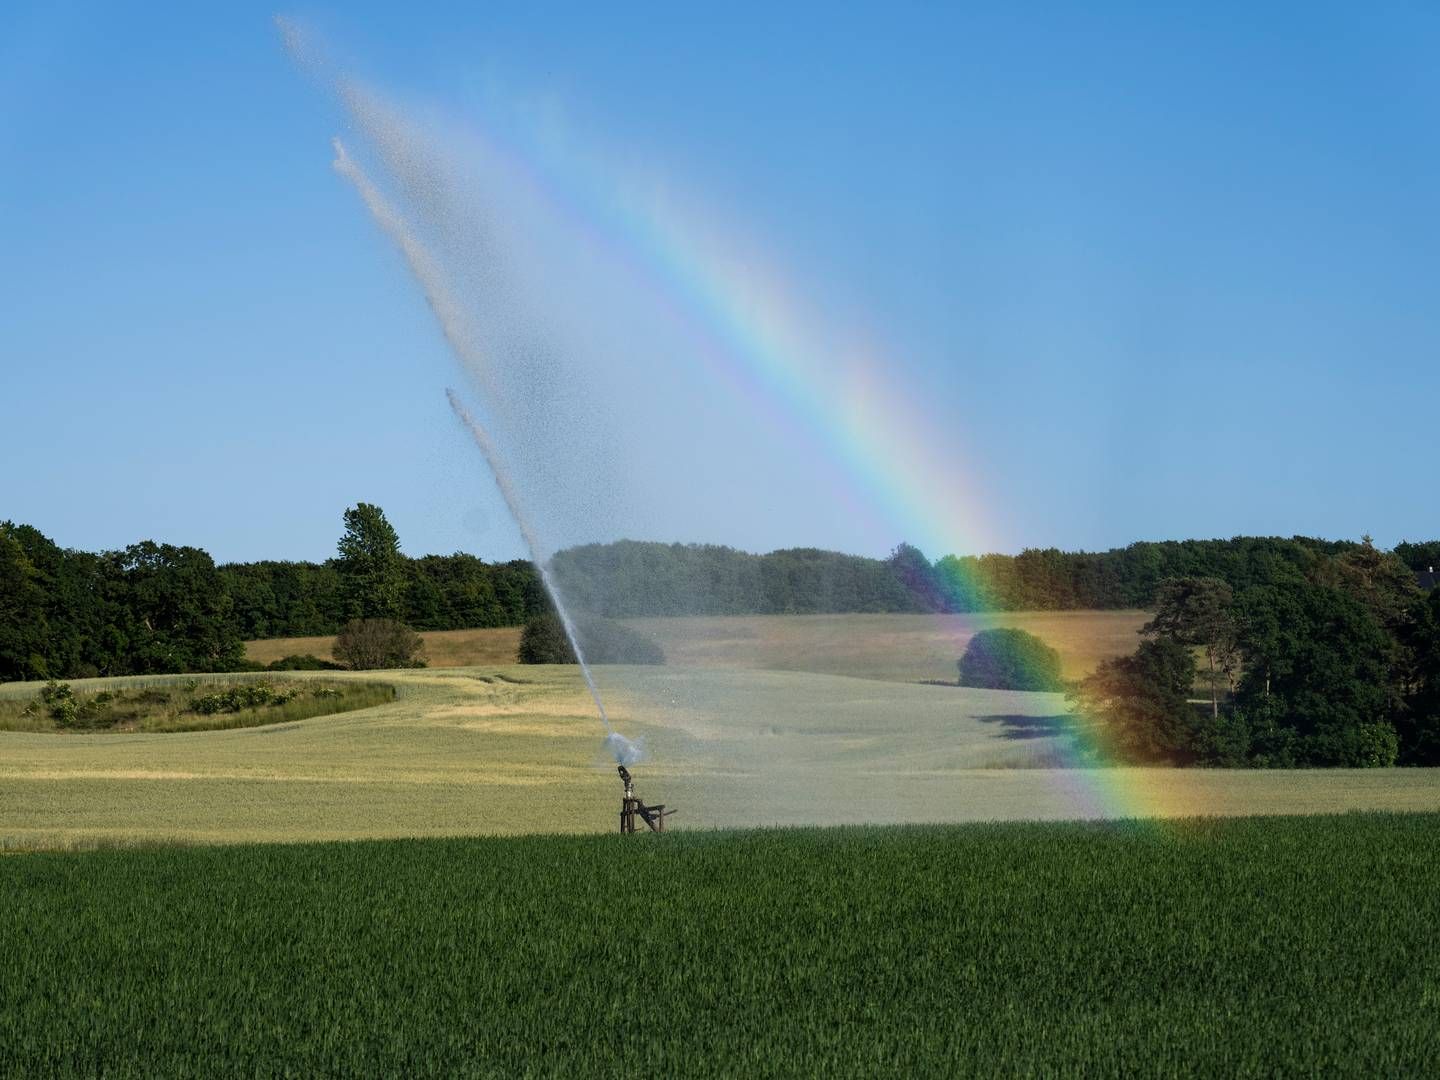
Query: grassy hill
(517, 750)
(1250, 947)
(901, 648)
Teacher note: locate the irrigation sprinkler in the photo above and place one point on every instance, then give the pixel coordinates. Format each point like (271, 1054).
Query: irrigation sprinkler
(630, 807)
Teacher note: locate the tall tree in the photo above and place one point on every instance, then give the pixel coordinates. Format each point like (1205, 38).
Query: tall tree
(372, 570)
(1198, 611)
(1141, 702)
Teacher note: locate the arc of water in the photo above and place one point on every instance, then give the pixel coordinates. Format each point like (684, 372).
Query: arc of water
(450, 314)
(512, 501)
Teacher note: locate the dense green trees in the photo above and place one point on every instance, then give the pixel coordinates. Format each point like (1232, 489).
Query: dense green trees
(1419, 720)
(24, 628)
(1006, 658)
(1198, 611)
(1143, 702)
(150, 608)
(1421, 556)
(630, 578)
(1318, 666)
(160, 608)
(1338, 665)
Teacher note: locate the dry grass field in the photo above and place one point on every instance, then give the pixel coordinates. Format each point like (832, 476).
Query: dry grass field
(443, 648)
(517, 750)
(900, 648)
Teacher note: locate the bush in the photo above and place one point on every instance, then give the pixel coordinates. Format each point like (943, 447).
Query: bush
(367, 644)
(249, 696)
(1007, 659)
(298, 662)
(604, 641)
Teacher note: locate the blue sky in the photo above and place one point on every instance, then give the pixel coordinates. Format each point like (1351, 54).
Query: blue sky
(1151, 274)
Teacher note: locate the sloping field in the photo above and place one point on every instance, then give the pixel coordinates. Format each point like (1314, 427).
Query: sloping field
(515, 750)
(902, 648)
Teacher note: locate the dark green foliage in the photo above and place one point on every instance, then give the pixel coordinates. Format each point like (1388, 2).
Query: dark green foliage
(297, 662)
(1321, 677)
(58, 701)
(1280, 946)
(1199, 612)
(371, 568)
(178, 611)
(1419, 557)
(285, 599)
(151, 608)
(245, 696)
(909, 566)
(629, 578)
(24, 627)
(1379, 580)
(1319, 662)
(604, 641)
(440, 592)
(1142, 701)
(1419, 721)
(1010, 659)
(369, 644)
(155, 608)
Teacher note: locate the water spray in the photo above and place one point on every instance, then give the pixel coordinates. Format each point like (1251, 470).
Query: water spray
(450, 314)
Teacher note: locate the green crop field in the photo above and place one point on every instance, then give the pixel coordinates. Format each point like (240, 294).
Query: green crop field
(517, 749)
(1248, 947)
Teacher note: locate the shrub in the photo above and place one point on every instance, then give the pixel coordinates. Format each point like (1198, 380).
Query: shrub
(604, 641)
(249, 696)
(367, 644)
(306, 662)
(1008, 659)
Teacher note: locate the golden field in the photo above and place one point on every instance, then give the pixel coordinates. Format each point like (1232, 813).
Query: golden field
(466, 751)
(900, 648)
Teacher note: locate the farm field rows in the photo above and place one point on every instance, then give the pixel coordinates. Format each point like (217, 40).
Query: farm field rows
(1241, 947)
(517, 750)
(900, 648)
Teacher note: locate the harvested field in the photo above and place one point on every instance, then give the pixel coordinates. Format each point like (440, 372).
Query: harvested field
(899, 648)
(515, 750)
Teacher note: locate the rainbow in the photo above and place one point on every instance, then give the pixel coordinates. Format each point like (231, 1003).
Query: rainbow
(756, 334)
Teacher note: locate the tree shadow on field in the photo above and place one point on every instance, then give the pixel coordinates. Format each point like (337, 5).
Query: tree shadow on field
(1028, 727)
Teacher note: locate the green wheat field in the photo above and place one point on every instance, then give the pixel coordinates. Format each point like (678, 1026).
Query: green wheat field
(1215, 947)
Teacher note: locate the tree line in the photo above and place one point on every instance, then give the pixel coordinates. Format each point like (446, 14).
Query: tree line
(630, 578)
(155, 608)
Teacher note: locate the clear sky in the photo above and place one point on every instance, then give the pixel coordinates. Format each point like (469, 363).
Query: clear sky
(1133, 273)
